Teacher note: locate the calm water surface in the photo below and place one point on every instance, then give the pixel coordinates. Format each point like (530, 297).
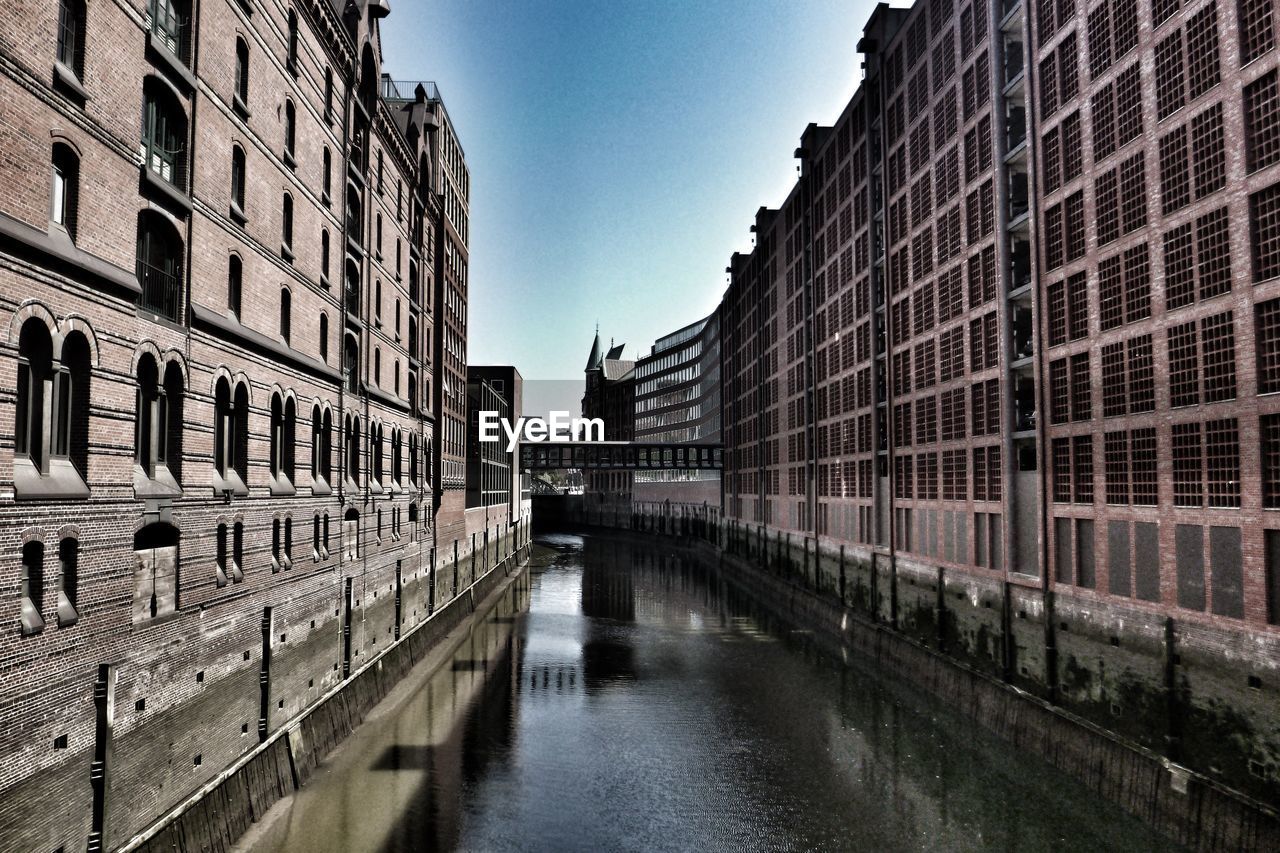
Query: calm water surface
(624, 700)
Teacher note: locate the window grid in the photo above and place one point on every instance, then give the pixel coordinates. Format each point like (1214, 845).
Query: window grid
(1222, 462)
(1269, 428)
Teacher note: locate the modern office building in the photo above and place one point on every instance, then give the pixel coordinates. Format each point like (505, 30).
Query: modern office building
(233, 274)
(677, 401)
(493, 474)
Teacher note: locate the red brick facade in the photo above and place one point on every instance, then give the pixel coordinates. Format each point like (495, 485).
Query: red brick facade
(225, 472)
(1014, 332)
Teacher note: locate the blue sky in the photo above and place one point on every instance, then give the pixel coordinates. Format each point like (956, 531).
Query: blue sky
(618, 152)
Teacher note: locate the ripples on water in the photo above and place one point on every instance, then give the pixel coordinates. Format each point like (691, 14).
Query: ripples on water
(626, 700)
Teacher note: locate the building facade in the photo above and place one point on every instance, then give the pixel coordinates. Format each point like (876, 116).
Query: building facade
(1012, 338)
(610, 396)
(677, 401)
(492, 472)
(233, 274)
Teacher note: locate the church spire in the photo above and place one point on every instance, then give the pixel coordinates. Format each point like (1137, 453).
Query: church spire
(594, 360)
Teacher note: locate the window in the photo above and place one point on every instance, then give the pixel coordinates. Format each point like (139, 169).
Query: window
(328, 95)
(241, 95)
(159, 265)
(377, 366)
(375, 452)
(324, 337)
(71, 35)
(235, 285)
(64, 200)
(322, 445)
(1264, 230)
(351, 363)
(286, 309)
(31, 588)
(351, 534)
(68, 581)
(292, 62)
(164, 133)
(283, 430)
(324, 257)
(1267, 343)
(237, 183)
(158, 421)
(286, 227)
(327, 185)
(1262, 121)
(1257, 29)
(170, 23)
(230, 437)
(351, 444)
(290, 132)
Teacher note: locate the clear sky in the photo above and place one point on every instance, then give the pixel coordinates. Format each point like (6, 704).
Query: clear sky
(618, 151)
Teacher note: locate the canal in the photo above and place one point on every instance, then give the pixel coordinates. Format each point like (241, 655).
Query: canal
(624, 699)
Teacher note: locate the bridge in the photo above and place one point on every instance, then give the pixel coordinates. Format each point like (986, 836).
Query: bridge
(619, 455)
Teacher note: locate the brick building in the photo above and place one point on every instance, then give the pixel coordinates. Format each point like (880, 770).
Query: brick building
(610, 395)
(677, 401)
(1013, 336)
(233, 274)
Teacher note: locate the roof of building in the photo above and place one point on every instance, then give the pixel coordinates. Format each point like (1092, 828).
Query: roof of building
(614, 353)
(616, 369)
(593, 360)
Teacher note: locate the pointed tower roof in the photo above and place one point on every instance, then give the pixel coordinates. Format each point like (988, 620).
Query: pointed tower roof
(594, 360)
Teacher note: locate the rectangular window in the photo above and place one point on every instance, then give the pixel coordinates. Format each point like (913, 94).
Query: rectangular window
(1269, 427)
(1188, 485)
(1082, 468)
(1222, 462)
(1264, 231)
(1267, 342)
(1144, 463)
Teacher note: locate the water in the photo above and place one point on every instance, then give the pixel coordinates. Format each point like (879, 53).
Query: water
(625, 700)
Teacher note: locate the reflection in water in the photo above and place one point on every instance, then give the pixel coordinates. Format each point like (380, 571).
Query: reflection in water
(626, 700)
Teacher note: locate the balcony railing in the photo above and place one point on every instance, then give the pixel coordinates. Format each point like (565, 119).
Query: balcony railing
(161, 290)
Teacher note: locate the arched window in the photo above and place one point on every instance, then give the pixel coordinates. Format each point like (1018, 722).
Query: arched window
(377, 300)
(71, 36)
(351, 363)
(351, 445)
(321, 446)
(324, 255)
(351, 289)
(158, 420)
(353, 213)
(155, 585)
(170, 22)
(328, 94)
(241, 95)
(292, 62)
(235, 285)
(228, 561)
(231, 437)
(368, 80)
(51, 420)
(286, 314)
(324, 337)
(283, 430)
(286, 227)
(396, 373)
(64, 199)
(378, 236)
(164, 133)
(31, 587)
(327, 185)
(351, 534)
(375, 452)
(68, 581)
(290, 131)
(413, 392)
(413, 465)
(397, 448)
(377, 366)
(238, 177)
(159, 264)
(315, 538)
(35, 385)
